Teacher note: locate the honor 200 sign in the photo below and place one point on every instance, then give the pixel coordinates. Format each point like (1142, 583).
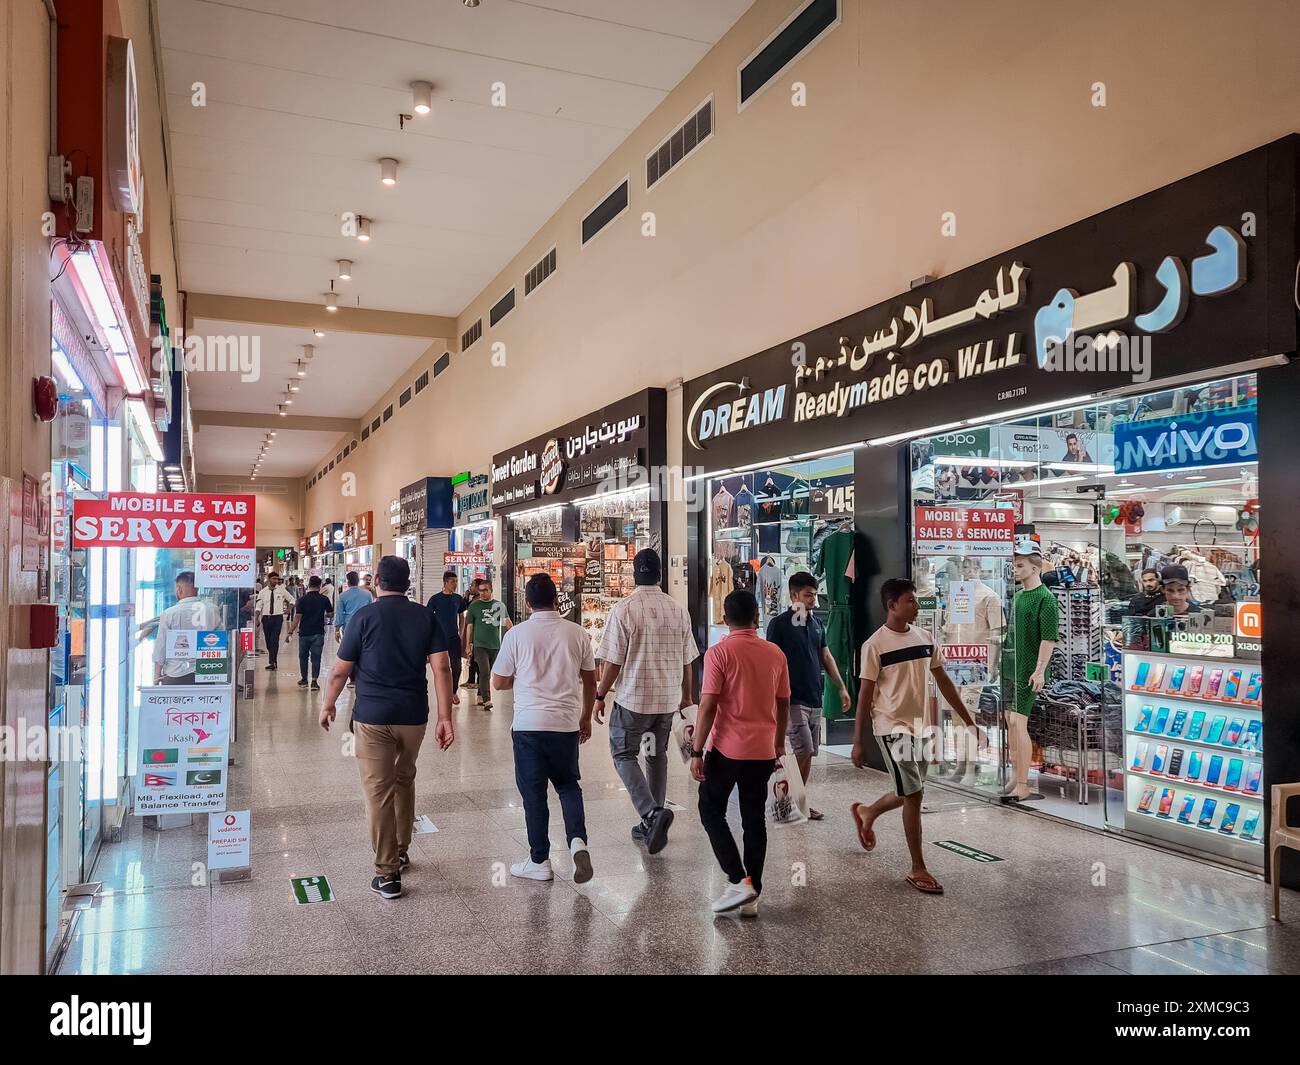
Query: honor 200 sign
(1199, 438)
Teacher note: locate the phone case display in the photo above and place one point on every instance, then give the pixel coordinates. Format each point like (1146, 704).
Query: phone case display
(1194, 730)
(613, 530)
(1080, 631)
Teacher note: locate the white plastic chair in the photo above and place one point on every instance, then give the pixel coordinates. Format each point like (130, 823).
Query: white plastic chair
(1284, 834)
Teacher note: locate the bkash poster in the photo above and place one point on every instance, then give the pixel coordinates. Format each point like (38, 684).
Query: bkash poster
(184, 749)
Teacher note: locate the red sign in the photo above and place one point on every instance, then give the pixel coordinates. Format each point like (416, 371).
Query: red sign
(140, 519)
(963, 530)
(365, 528)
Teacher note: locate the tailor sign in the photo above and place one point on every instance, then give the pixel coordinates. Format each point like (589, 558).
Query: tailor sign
(1189, 278)
(171, 520)
(1188, 441)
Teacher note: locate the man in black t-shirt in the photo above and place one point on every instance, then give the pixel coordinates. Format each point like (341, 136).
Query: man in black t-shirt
(447, 608)
(309, 623)
(389, 643)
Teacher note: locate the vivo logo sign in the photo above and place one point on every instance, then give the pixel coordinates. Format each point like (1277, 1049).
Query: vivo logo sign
(1204, 438)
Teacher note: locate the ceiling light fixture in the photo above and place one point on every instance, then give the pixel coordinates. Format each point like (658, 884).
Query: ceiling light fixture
(421, 97)
(319, 334)
(345, 269)
(302, 368)
(331, 301)
(280, 409)
(470, 3)
(308, 350)
(363, 228)
(388, 171)
(294, 386)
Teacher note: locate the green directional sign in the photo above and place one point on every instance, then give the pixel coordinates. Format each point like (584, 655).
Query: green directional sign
(972, 853)
(309, 889)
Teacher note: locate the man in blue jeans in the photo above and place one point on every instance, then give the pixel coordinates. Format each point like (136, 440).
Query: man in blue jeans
(548, 663)
(309, 623)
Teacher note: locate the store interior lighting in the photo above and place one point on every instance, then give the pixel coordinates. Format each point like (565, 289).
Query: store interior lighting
(112, 332)
(345, 269)
(388, 171)
(421, 97)
(63, 369)
(331, 301)
(363, 229)
(144, 428)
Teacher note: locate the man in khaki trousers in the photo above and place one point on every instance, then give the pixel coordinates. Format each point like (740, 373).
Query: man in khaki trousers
(389, 643)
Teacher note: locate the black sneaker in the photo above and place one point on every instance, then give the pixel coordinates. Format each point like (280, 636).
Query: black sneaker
(314, 686)
(302, 684)
(387, 887)
(657, 837)
(639, 832)
(403, 860)
(270, 668)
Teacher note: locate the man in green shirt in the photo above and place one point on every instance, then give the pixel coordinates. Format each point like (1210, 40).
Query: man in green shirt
(1035, 630)
(485, 621)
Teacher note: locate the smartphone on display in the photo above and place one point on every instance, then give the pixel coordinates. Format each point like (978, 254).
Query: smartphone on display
(1158, 760)
(1212, 773)
(1166, 803)
(1175, 762)
(1140, 678)
(1254, 688)
(1144, 720)
(1158, 677)
(1194, 681)
(1207, 813)
(1233, 736)
(1229, 823)
(1176, 681)
(1140, 758)
(1254, 775)
(1148, 794)
(1162, 716)
(1197, 726)
(1233, 780)
(1216, 729)
(1194, 762)
(1212, 685)
(1250, 825)
(1254, 733)
(1180, 719)
(1185, 814)
(1234, 683)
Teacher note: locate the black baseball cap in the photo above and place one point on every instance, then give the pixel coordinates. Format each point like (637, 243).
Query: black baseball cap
(646, 567)
(1174, 573)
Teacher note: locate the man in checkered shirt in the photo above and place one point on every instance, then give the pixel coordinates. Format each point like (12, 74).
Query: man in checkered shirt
(648, 647)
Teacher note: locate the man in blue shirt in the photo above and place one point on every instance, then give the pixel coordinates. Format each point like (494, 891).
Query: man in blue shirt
(352, 600)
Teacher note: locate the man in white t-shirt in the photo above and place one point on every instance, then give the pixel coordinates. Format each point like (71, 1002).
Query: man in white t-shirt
(895, 660)
(547, 662)
(175, 650)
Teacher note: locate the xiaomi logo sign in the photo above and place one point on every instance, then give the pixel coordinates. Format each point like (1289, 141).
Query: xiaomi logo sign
(1250, 623)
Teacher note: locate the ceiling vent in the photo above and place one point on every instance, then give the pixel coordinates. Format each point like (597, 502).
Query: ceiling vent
(605, 212)
(680, 143)
(796, 36)
(502, 307)
(470, 335)
(422, 382)
(444, 360)
(545, 268)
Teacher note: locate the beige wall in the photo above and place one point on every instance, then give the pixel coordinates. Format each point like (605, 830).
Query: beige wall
(279, 517)
(791, 217)
(24, 447)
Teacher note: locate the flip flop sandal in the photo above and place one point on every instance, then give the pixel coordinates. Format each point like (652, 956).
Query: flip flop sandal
(926, 887)
(815, 815)
(862, 838)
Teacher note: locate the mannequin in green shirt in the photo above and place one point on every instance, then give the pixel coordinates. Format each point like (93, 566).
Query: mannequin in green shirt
(1035, 629)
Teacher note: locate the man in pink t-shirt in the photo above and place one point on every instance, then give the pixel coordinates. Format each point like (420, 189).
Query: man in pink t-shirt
(739, 734)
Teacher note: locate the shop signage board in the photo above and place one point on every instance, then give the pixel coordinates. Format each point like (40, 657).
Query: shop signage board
(229, 834)
(212, 657)
(609, 448)
(471, 497)
(184, 749)
(1011, 332)
(225, 567)
(464, 558)
(982, 531)
(425, 504)
(172, 520)
(365, 529)
(1187, 441)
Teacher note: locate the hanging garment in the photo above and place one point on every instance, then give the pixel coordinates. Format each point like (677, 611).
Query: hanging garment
(744, 577)
(742, 509)
(720, 585)
(722, 508)
(834, 559)
(769, 590)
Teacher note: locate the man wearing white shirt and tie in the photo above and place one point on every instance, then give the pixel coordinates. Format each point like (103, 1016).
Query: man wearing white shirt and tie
(273, 602)
(176, 644)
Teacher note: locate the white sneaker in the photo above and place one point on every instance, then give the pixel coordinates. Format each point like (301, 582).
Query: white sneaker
(749, 909)
(581, 861)
(735, 896)
(531, 870)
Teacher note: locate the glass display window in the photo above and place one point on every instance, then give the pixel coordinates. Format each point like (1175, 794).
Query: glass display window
(613, 529)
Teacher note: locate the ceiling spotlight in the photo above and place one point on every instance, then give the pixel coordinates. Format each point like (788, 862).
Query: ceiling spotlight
(331, 301)
(272, 434)
(388, 171)
(308, 350)
(363, 228)
(345, 269)
(302, 368)
(422, 97)
(318, 334)
(287, 401)
(280, 409)
(470, 3)
(294, 386)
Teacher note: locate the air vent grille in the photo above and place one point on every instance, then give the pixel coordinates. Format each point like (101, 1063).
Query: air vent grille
(605, 212)
(374, 426)
(502, 307)
(680, 143)
(422, 382)
(388, 412)
(471, 335)
(545, 268)
(444, 360)
(404, 398)
(799, 34)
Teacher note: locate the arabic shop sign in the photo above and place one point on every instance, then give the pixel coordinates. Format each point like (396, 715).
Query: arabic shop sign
(1186, 276)
(1187, 441)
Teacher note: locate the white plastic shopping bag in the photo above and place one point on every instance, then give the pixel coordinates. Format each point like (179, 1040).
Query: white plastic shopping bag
(684, 732)
(787, 799)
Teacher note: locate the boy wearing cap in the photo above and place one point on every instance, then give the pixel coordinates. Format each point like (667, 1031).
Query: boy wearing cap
(1036, 629)
(648, 647)
(1176, 585)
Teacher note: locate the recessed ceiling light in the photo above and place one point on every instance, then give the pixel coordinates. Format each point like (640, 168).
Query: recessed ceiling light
(363, 228)
(421, 97)
(470, 3)
(319, 334)
(302, 368)
(345, 269)
(388, 171)
(331, 301)
(280, 409)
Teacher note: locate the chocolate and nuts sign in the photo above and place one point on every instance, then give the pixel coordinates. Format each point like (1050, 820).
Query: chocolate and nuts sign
(575, 459)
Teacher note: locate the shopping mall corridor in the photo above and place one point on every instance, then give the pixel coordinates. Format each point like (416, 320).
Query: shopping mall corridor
(1062, 900)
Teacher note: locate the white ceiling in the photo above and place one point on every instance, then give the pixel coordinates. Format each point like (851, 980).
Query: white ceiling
(226, 450)
(302, 102)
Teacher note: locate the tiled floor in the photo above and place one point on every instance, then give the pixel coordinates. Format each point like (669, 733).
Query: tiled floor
(1063, 901)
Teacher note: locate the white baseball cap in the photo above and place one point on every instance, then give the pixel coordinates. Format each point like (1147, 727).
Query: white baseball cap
(1028, 544)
